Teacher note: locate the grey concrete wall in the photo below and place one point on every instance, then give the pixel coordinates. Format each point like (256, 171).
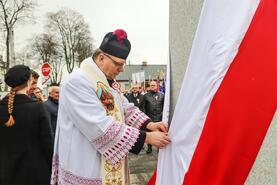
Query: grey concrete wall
(183, 20)
(184, 15)
(264, 171)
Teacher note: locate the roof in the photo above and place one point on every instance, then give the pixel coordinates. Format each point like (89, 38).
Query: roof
(150, 71)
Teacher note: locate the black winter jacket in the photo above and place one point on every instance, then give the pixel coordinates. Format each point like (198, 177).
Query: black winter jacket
(154, 102)
(26, 148)
(52, 106)
(138, 101)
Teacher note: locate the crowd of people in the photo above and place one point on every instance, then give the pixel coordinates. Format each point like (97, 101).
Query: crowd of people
(151, 103)
(83, 134)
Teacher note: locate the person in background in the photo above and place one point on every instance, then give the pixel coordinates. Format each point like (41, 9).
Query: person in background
(97, 127)
(154, 102)
(35, 77)
(38, 94)
(26, 143)
(52, 105)
(136, 97)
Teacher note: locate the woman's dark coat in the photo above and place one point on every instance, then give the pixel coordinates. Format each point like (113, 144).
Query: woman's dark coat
(26, 148)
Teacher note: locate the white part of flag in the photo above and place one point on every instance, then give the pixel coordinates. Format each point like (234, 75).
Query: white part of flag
(166, 107)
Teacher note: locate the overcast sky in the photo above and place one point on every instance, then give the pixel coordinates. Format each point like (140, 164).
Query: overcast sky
(145, 21)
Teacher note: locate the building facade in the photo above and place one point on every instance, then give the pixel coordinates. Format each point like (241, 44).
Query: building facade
(140, 73)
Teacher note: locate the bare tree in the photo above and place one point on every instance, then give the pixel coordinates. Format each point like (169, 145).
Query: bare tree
(73, 33)
(56, 70)
(12, 12)
(45, 45)
(24, 56)
(84, 49)
(47, 48)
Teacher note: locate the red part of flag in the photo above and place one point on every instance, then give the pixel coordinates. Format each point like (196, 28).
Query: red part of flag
(242, 109)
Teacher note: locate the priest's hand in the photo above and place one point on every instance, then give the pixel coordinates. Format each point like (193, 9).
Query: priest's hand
(157, 126)
(157, 138)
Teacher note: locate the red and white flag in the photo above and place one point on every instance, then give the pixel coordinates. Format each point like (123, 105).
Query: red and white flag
(228, 96)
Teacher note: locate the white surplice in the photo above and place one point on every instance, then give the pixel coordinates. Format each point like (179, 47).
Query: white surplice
(85, 131)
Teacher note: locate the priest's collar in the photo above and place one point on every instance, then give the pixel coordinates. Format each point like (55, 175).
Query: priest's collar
(111, 82)
(114, 84)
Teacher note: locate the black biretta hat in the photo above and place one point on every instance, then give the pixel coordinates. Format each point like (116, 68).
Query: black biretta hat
(116, 44)
(17, 75)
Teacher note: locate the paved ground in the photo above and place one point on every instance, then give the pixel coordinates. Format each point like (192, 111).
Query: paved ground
(142, 167)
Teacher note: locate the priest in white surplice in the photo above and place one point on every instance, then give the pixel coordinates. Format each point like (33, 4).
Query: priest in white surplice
(96, 126)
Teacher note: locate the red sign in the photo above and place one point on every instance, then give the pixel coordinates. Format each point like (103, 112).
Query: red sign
(45, 69)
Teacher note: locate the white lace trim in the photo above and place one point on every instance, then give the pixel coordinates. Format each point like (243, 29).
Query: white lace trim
(116, 141)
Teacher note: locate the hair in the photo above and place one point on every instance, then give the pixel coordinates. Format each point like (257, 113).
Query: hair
(34, 74)
(96, 53)
(11, 96)
(51, 88)
(153, 81)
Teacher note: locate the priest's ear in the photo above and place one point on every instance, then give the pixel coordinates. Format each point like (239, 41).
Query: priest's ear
(101, 56)
(100, 59)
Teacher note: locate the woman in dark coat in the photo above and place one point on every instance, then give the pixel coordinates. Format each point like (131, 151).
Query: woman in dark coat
(26, 143)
